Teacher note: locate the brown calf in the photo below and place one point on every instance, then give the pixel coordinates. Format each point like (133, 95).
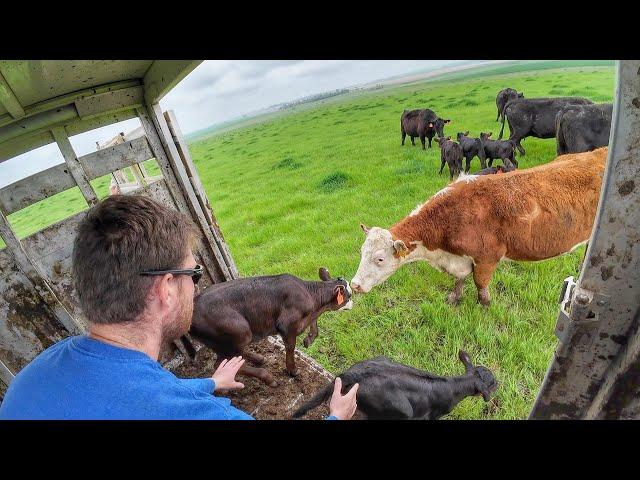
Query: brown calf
(531, 214)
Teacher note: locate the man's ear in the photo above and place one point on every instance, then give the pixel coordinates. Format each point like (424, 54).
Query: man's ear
(365, 229)
(400, 247)
(324, 274)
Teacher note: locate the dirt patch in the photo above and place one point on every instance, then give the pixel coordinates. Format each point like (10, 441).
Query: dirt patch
(259, 400)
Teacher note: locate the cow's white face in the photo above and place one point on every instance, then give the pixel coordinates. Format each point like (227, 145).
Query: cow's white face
(377, 261)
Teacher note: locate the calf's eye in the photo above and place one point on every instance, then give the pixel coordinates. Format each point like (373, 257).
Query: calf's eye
(380, 260)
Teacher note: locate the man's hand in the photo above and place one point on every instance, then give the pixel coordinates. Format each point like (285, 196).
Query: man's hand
(343, 407)
(225, 376)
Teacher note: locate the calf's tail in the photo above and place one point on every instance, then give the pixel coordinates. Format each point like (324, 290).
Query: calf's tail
(348, 379)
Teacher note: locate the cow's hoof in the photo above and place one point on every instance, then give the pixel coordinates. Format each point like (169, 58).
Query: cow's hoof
(485, 302)
(453, 299)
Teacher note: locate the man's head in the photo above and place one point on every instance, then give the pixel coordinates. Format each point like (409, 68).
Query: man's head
(119, 238)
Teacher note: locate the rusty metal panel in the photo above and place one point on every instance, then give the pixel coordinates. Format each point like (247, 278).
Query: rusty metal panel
(34, 188)
(27, 323)
(595, 371)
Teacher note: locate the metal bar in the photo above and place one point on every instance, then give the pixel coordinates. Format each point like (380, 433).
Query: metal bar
(75, 167)
(183, 151)
(31, 271)
(5, 374)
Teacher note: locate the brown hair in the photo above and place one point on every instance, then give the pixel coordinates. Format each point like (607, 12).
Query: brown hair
(118, 238)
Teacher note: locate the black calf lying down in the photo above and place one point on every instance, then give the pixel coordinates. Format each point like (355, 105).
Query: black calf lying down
(228, 316)
(496, 169)
(392, 391)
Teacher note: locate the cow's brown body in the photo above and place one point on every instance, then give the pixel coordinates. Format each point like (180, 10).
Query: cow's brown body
(531, 214)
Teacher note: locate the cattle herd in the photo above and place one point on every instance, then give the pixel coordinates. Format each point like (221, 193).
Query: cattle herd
(522, 214)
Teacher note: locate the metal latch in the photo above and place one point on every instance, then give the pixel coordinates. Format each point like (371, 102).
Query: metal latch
(579, 308)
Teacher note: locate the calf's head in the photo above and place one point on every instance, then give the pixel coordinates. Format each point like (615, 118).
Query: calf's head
(381, 256)
(341, 290)
(462, 134)
(484, 380)
(485, 136)
(442, 141)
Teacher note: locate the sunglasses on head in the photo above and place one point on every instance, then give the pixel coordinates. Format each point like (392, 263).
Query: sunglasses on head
(195, 273)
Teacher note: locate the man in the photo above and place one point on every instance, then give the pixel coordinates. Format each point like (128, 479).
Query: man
(135, 277)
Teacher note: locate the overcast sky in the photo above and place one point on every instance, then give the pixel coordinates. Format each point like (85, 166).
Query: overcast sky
(221, 90)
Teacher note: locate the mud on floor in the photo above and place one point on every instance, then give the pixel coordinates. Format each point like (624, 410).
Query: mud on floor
(258, 399)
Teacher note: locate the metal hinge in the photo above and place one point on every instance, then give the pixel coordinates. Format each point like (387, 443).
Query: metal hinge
(579, 308)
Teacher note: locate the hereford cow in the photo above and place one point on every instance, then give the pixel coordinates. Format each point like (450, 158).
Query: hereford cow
(526, 215)
(423, 123)
(535, 117)
(581, 128)
(503, 97)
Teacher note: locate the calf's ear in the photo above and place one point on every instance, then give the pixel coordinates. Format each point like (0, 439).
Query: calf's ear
(400, 247)
(324, 274)
(446, 121)
(365, 229)
(466, 361)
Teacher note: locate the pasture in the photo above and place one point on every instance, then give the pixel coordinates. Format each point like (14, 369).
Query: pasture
(289, 195)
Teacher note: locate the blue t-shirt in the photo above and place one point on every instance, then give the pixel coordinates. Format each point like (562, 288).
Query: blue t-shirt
(83, 378)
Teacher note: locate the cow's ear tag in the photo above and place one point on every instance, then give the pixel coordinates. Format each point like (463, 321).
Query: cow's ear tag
(340, 297)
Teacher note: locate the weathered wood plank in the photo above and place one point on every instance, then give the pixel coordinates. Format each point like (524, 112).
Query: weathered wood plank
(116, 157)
(9, 99)
(122, 99)
(173, 157)
(44, 120)
(69, 99)
(34, 188)
(22, 144)
(75, 167)
(212, 264)
(163, 75)
(31, 271)
(192, 173)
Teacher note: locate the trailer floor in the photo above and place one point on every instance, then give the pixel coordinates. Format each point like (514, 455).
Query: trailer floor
(260, 400)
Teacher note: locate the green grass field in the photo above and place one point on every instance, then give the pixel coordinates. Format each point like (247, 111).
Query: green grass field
(289, 195)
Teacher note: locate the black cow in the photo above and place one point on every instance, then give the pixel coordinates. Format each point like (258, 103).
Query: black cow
(392, 391)
(535, 117)
(471, 147)
(502, 149)
(503, 97)
(423, 123)
(230, 315)
(451, 154)
(582, 128)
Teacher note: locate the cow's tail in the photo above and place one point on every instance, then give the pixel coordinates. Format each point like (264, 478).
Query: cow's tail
(504, 116)
(561, 142)
(348, 379)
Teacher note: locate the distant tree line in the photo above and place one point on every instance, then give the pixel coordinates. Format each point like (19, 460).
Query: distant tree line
(314, 98)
